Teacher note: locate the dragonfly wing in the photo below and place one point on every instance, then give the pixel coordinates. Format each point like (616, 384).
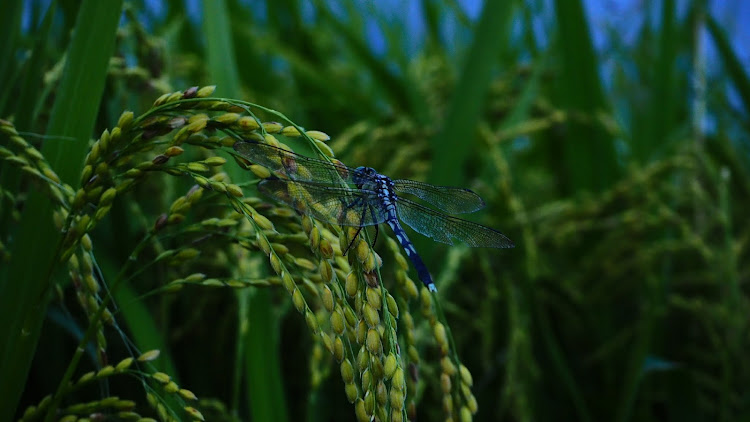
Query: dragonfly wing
(447, 229)
(448, 199)
(293, 165)
(332, 204)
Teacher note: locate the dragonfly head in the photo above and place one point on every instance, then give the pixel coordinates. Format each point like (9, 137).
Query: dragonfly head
(364, 176)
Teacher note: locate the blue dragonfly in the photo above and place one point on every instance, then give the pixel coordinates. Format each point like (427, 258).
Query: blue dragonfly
(359, 197)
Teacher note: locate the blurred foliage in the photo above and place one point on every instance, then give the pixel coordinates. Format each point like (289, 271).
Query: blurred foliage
(621, 172)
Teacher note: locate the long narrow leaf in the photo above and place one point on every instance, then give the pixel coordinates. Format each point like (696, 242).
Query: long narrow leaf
(588, 151)
(26, 282)
(452, 146)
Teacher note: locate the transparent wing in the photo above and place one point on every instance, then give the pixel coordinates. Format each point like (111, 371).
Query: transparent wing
(332, 204)
(293, 165)
(445, 228)
(449, 199)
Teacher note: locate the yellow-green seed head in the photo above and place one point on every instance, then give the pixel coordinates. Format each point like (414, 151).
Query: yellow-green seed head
(390, 365)
(312, 322)
(161, 377)
(272, 127)
(392, 306)
(314, 238)
(374, 344)
(275, 263)
(363, 358)
(205, 91)
(445, 383)
(125, 120)
(324, 148)
(360, 411)
(465, 414)
(374, 297)
(171, 387)
(466, 377)
(424, 296)
(381, 393)
(91, 284)
(447, 366)
(149, 356)
(376, 362)
(397, 397)
(263, 244)
(307, 224)
(411, 289)
(351, 392)
(194, 413)
(327, 343)
(187, 394)
(290, 131)
(248, 123)
(399, 381)
(352, 284)
(227, 118)
(370, 263)
(338, 349)
(441, 337)
(370, 315)
(318, 135)
(366, 379)
(86, 377)
(362, 251)
(326, 271)
(471, 402)
(262, 222)
(448, 404)
(124, 364)
(327, 299)
(298, 300)
(326, 249)
(361, 332)
(234, 190)
(288, 282)
(369, 402)
(351, 318)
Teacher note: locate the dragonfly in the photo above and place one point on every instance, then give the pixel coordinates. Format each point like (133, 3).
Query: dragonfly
(360, 197)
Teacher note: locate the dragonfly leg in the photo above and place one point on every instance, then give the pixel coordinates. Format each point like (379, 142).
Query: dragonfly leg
(351, 242)
(372, 213)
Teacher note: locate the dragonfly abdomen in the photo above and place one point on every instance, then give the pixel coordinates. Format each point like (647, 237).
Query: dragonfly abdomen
(403, 239)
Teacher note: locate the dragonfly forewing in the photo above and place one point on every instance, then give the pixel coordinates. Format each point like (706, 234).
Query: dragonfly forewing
(449, 199)
(448, 229)
(293, 165)
(331, 204)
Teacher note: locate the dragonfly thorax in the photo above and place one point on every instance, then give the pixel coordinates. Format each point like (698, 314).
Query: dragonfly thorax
(368, 178)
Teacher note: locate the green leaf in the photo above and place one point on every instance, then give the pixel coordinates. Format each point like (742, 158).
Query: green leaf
(25, 284)
(452, 145)
(588, 153)
(737, 72)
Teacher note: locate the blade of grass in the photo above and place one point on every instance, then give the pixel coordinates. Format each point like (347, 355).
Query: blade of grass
(222, 67)
(737, 72)
(264, 368)
(10, 24)
(452, 145)
(588, 152)
(397, 88)
(26, 281)
(28, 98)
(661, 117)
